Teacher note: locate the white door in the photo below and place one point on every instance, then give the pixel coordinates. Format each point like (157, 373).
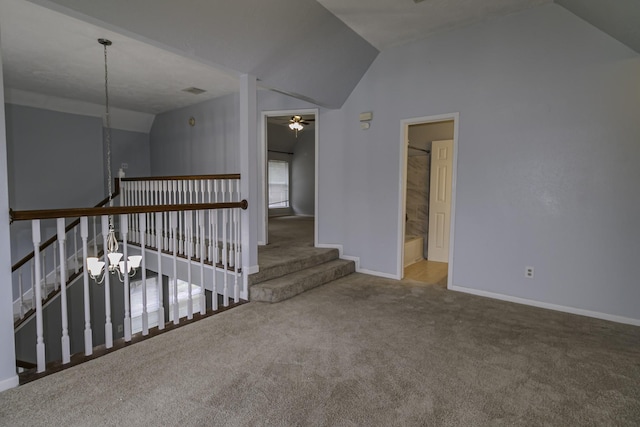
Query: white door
(440, 200)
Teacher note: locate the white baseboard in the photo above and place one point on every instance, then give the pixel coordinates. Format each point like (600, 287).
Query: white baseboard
(253, 269)
(331, 246)
(341, 254)
(556, 307)
(377, 273)
(8, 383)
(357, 261)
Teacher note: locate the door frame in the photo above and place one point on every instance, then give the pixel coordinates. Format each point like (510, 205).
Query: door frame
(263, 200)
(402, 193)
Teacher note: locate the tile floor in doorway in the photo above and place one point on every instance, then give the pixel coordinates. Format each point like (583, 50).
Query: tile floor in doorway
(431, 272)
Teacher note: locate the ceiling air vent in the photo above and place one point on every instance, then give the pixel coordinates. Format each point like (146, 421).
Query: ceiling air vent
(194, 90)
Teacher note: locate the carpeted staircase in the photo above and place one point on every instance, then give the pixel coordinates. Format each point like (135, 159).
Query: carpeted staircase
(294, 275)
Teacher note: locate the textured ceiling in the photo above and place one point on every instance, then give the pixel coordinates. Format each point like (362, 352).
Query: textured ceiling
(50, 53)
(387, 23)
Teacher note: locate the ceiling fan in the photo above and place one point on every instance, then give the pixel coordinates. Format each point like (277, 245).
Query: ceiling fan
(296, 123)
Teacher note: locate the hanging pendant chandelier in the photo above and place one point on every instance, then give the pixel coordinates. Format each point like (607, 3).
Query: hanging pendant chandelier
(95, 267)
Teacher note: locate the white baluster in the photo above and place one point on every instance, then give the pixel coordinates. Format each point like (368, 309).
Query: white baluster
(147, 188)
(213, 229)
(189, 231)
(35, 232)
(84, 235)
(159, 239)
(175, 307)
(124, 230)
(33, 282)
(55, 267)
(21, 292)
(136, 223)
(165, 215)
(143, 233)
(75, 250)
(210, 234)
(182, 226)
(43, 281)
(108, 327)
(203, 300)
(225, 250)
(196, 189)
(123, 193)
(236, 214)
(66, 346)
(95, 238)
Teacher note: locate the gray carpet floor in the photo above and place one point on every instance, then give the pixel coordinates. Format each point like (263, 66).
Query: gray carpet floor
(360, 351)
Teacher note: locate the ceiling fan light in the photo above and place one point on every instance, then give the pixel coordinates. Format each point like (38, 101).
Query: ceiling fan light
(295, 126)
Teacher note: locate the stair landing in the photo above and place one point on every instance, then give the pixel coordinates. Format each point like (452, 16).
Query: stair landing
(290, 264)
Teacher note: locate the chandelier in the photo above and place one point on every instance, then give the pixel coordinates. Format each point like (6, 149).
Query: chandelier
(96, 268)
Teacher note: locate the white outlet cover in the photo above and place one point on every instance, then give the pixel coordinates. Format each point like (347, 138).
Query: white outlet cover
(528, 272)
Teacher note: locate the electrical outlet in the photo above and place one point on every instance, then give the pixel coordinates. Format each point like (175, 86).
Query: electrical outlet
(528, 272)
(124, 166)
(120, 329)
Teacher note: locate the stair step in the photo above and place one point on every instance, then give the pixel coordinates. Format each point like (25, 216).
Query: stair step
(307, 257)
(292, 284)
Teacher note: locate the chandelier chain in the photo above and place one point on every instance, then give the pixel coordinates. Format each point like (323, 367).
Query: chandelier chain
(107, 131)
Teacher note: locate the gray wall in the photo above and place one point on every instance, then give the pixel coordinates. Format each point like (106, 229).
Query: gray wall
(303, 174)
(48, 153)
(8, 377)
(209, 147)
(547, 158)
(131, 148)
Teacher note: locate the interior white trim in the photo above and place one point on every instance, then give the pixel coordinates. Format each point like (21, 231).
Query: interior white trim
(377, 273)
(10, 382)
(402, 187)
(331, 246)
(555, 307)
(263, 212)
(134, 121)
(252, 270)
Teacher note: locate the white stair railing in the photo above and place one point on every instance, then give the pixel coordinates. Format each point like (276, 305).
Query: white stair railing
(204, 228)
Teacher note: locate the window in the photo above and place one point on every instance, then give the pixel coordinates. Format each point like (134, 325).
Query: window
(278, 184)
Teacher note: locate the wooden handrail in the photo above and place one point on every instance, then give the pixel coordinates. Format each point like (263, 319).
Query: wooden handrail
(119, 210)
(44, 245)
(184, 177)
(78, 212)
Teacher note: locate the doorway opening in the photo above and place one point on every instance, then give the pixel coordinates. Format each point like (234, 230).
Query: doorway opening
(288, 189)
(426, 212)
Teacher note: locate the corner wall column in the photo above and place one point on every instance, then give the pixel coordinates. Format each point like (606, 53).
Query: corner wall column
(8, 376)
(249, 172)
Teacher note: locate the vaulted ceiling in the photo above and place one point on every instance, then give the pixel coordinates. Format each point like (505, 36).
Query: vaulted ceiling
(314, 50)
